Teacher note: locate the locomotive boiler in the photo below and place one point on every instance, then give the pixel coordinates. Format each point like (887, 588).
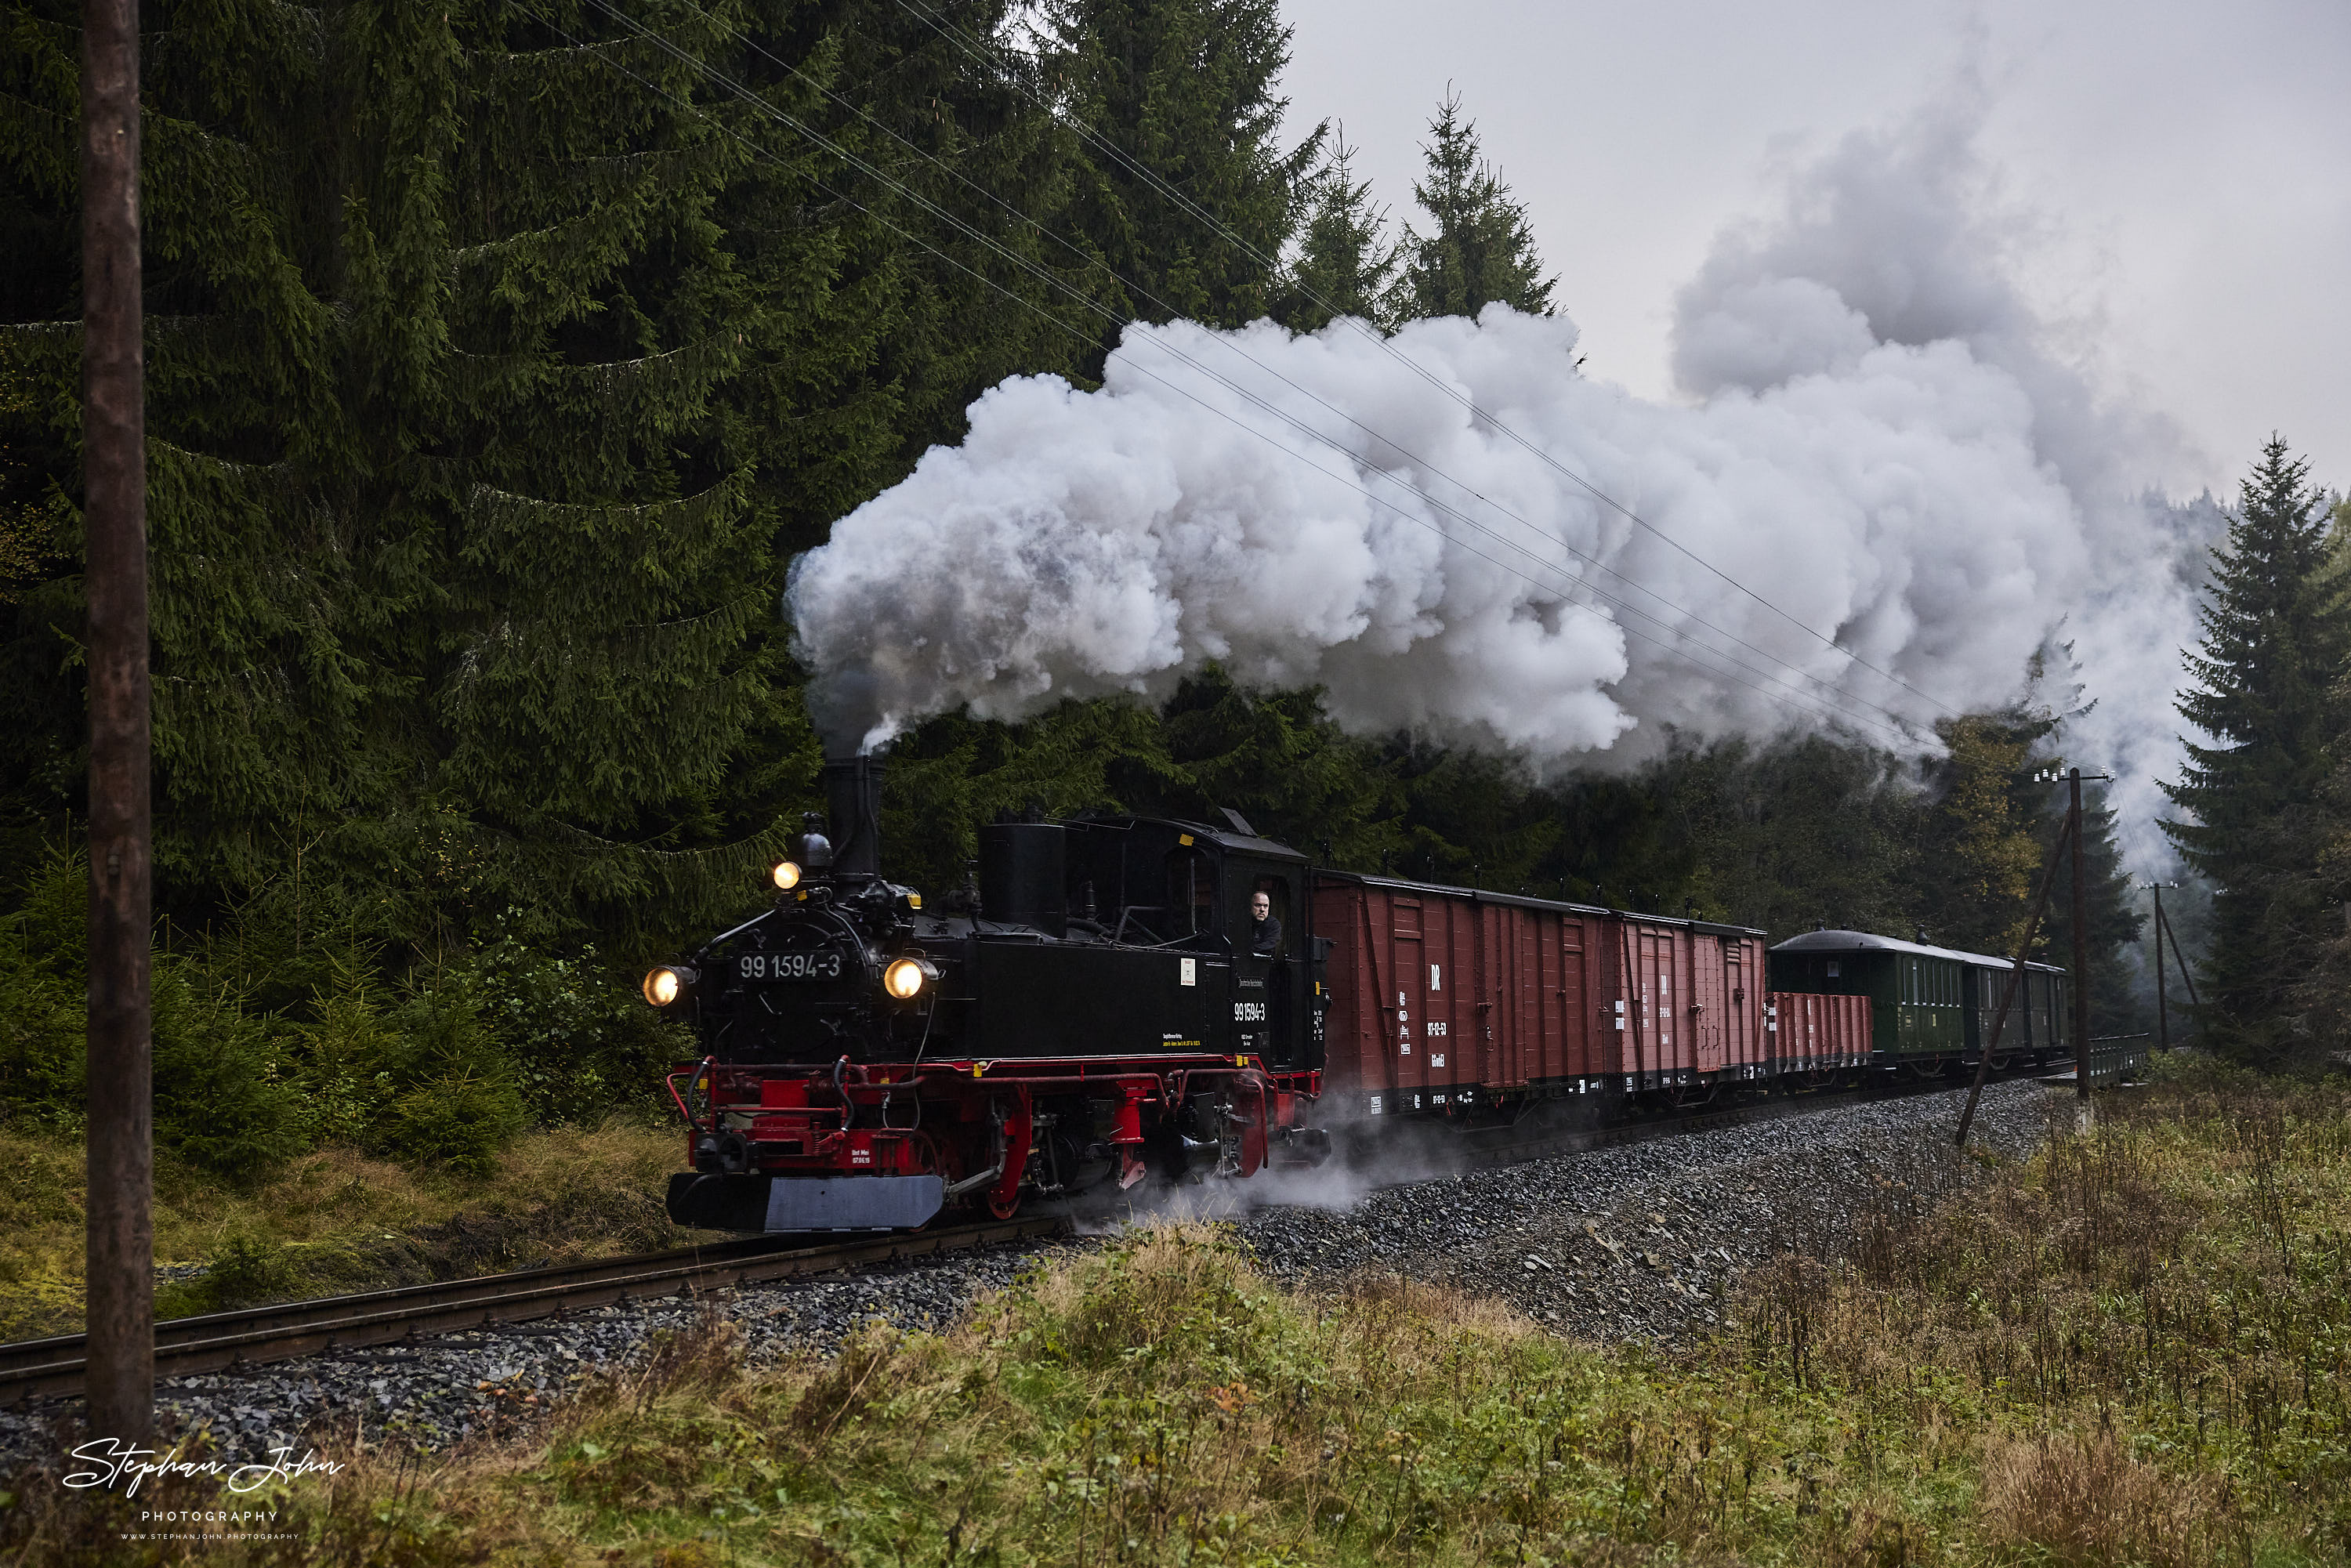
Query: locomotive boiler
(1102, 1004)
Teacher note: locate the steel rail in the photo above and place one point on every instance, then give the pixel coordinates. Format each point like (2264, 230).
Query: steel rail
(43, 1368)
(1506, 1151)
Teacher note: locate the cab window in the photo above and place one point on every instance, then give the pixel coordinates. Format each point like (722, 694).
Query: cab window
(1277, 898)
(1191, 893)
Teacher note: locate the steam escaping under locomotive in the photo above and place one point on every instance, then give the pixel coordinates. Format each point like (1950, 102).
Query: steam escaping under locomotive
(1120, 998)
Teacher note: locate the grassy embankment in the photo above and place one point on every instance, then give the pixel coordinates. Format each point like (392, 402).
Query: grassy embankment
(336, 1219)
(2133, 1350)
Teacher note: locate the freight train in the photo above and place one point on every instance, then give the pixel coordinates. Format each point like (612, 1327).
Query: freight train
(1116, 998)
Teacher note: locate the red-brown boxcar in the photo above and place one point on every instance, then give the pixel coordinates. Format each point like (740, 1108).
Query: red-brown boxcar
(1692, 1012)
(1445, 998)
(1442, 998)
(1816, 1034)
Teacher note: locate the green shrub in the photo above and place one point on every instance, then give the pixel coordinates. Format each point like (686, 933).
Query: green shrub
(222, 1097)
(223, 1100)
(248, 1267)
(265, 1046)
(458, 1120)
(580, 1041)
(52, 922)
(349, 1060)
(43, 1006)
(41, 1049)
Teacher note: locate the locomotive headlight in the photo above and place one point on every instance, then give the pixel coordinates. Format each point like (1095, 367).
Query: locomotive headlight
(787, 875)
(666, 984)
(905, 979)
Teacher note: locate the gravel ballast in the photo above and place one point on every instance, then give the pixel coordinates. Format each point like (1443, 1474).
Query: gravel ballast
(1637, 1242)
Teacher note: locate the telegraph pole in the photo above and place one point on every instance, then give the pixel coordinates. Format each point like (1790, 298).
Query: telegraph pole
(2178, 958)
(2080, 959)
(2162, 1000)
(2015, 980)
(119, 1381)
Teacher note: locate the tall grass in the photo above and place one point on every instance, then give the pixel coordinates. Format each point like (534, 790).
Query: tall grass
(2129, 1351)
(2170, 1293)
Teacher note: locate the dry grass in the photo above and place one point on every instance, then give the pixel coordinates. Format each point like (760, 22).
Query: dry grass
(2181, 1274)
(2092, 1360)
(338, 1220)
(2085, 1501)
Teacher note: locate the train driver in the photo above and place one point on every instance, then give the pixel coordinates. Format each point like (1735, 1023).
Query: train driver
(1265, 927)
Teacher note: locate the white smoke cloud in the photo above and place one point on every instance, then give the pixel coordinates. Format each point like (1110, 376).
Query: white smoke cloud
(1885, 457)
(1897, 236)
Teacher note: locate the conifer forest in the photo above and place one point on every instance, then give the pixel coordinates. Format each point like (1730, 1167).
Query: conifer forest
(503, 359)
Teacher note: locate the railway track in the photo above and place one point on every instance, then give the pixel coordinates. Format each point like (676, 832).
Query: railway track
(1515, 1145)
(45, 1368)
(1539, 1137)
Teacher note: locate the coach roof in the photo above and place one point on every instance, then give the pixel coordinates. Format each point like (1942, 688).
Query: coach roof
(1864, 941)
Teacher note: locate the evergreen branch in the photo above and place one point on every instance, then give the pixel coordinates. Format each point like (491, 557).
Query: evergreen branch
(40, 143)
(504, 509)
(158, 447)
(610, 177)
(665, 371)
(756, 846)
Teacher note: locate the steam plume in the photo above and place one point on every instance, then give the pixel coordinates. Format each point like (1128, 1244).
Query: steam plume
(1888, 462)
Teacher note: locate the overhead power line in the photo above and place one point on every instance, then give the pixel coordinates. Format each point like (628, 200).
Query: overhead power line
(1791, 696)
(981, 50)
(1234, 347)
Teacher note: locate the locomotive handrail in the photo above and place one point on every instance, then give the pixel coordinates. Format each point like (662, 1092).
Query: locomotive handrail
(696, 1072)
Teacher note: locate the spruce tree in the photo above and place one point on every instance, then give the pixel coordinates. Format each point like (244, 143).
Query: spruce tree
(1181, 183)
(1981, 849)
(1345, 261)
(500, 359)
(1479, 247)
(2273, 648)
(2321, 1001)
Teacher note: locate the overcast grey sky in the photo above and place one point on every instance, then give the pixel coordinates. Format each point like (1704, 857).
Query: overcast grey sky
(2186, 164)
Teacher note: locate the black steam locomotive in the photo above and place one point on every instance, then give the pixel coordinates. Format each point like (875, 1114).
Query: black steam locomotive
(1102, 1004)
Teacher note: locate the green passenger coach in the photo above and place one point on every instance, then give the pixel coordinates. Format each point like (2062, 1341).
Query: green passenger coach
(1930, 1006)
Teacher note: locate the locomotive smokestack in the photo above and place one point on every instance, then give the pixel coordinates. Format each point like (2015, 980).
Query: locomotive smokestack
(852, 794)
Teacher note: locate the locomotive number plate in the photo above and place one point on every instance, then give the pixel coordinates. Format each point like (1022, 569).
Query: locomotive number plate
(788, 966)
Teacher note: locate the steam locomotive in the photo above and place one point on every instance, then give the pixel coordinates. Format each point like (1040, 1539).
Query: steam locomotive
(1085, 1016)
(1104, 1005)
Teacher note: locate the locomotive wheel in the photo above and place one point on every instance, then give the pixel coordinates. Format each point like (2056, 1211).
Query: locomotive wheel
(1005, 1210)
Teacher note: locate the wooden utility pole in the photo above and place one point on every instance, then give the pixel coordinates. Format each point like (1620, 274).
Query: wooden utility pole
(2162, 995)
(2178, 958)
(2015, 980)
(2081, 955)
(119, 1382)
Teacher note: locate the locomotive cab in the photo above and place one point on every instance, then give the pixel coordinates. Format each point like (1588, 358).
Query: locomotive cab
(1101, 1004)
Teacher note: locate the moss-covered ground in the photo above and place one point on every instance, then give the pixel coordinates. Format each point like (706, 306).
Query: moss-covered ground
(2132, 1350)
